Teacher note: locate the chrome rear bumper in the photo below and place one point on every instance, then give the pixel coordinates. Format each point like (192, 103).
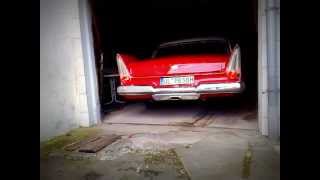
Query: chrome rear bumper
(188, 93)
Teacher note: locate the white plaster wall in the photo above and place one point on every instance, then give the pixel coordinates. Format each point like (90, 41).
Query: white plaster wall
(63, 102)
(262, 69)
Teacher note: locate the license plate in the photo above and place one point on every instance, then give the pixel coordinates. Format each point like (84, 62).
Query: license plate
(176, 80)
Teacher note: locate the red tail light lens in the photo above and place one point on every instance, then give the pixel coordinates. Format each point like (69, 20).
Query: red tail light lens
(122, 68)
(233, 75)
(233, 69)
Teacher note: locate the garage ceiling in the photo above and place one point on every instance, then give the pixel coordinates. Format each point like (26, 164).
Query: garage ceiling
(136, 25)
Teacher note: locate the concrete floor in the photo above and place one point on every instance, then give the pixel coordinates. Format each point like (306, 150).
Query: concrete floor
(223, 155)
(221, 113)
(209, 141)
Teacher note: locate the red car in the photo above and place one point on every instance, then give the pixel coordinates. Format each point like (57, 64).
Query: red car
(187, 69)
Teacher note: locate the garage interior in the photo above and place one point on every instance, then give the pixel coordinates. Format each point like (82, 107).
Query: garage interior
(138, 28)
(88, 132)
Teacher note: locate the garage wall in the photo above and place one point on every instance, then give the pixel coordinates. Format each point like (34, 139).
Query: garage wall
(262, 68)
(269, 67)
(63, 101)
(278, 60)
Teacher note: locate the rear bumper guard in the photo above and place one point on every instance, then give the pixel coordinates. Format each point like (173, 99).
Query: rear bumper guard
(188, 93)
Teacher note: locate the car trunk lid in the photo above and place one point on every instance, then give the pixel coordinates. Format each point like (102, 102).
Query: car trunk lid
(178, 65)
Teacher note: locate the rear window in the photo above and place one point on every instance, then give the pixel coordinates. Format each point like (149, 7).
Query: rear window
(212, 47)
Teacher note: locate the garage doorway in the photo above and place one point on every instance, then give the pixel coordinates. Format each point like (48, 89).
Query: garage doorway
(138, 27)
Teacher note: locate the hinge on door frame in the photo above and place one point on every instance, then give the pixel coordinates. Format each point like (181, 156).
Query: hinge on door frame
(268, 91)
(274, 8)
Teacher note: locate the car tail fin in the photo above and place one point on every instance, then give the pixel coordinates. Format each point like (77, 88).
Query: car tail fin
(122, 68)
(233, 69)
(123, 63)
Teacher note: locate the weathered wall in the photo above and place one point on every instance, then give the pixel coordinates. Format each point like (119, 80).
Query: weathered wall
(269, 67)
(63, 102)
(262, 68)
(278, 57)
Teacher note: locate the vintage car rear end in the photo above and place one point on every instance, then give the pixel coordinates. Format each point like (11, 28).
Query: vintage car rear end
(182, 73)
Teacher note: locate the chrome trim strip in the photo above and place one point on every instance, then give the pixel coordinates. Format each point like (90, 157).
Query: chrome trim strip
(203, 88)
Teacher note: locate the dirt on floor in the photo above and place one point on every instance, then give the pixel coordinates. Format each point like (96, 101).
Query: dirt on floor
(136, 165)
(187, 142)
(140, 156)
(58, 143)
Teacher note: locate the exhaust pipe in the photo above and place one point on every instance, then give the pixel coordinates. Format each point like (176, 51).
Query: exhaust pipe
(176, 97)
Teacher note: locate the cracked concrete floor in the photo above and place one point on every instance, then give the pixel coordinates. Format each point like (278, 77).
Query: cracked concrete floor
(220, 113)
(192, 148)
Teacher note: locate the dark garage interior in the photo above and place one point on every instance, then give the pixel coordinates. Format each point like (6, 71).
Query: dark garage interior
(138, 28)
